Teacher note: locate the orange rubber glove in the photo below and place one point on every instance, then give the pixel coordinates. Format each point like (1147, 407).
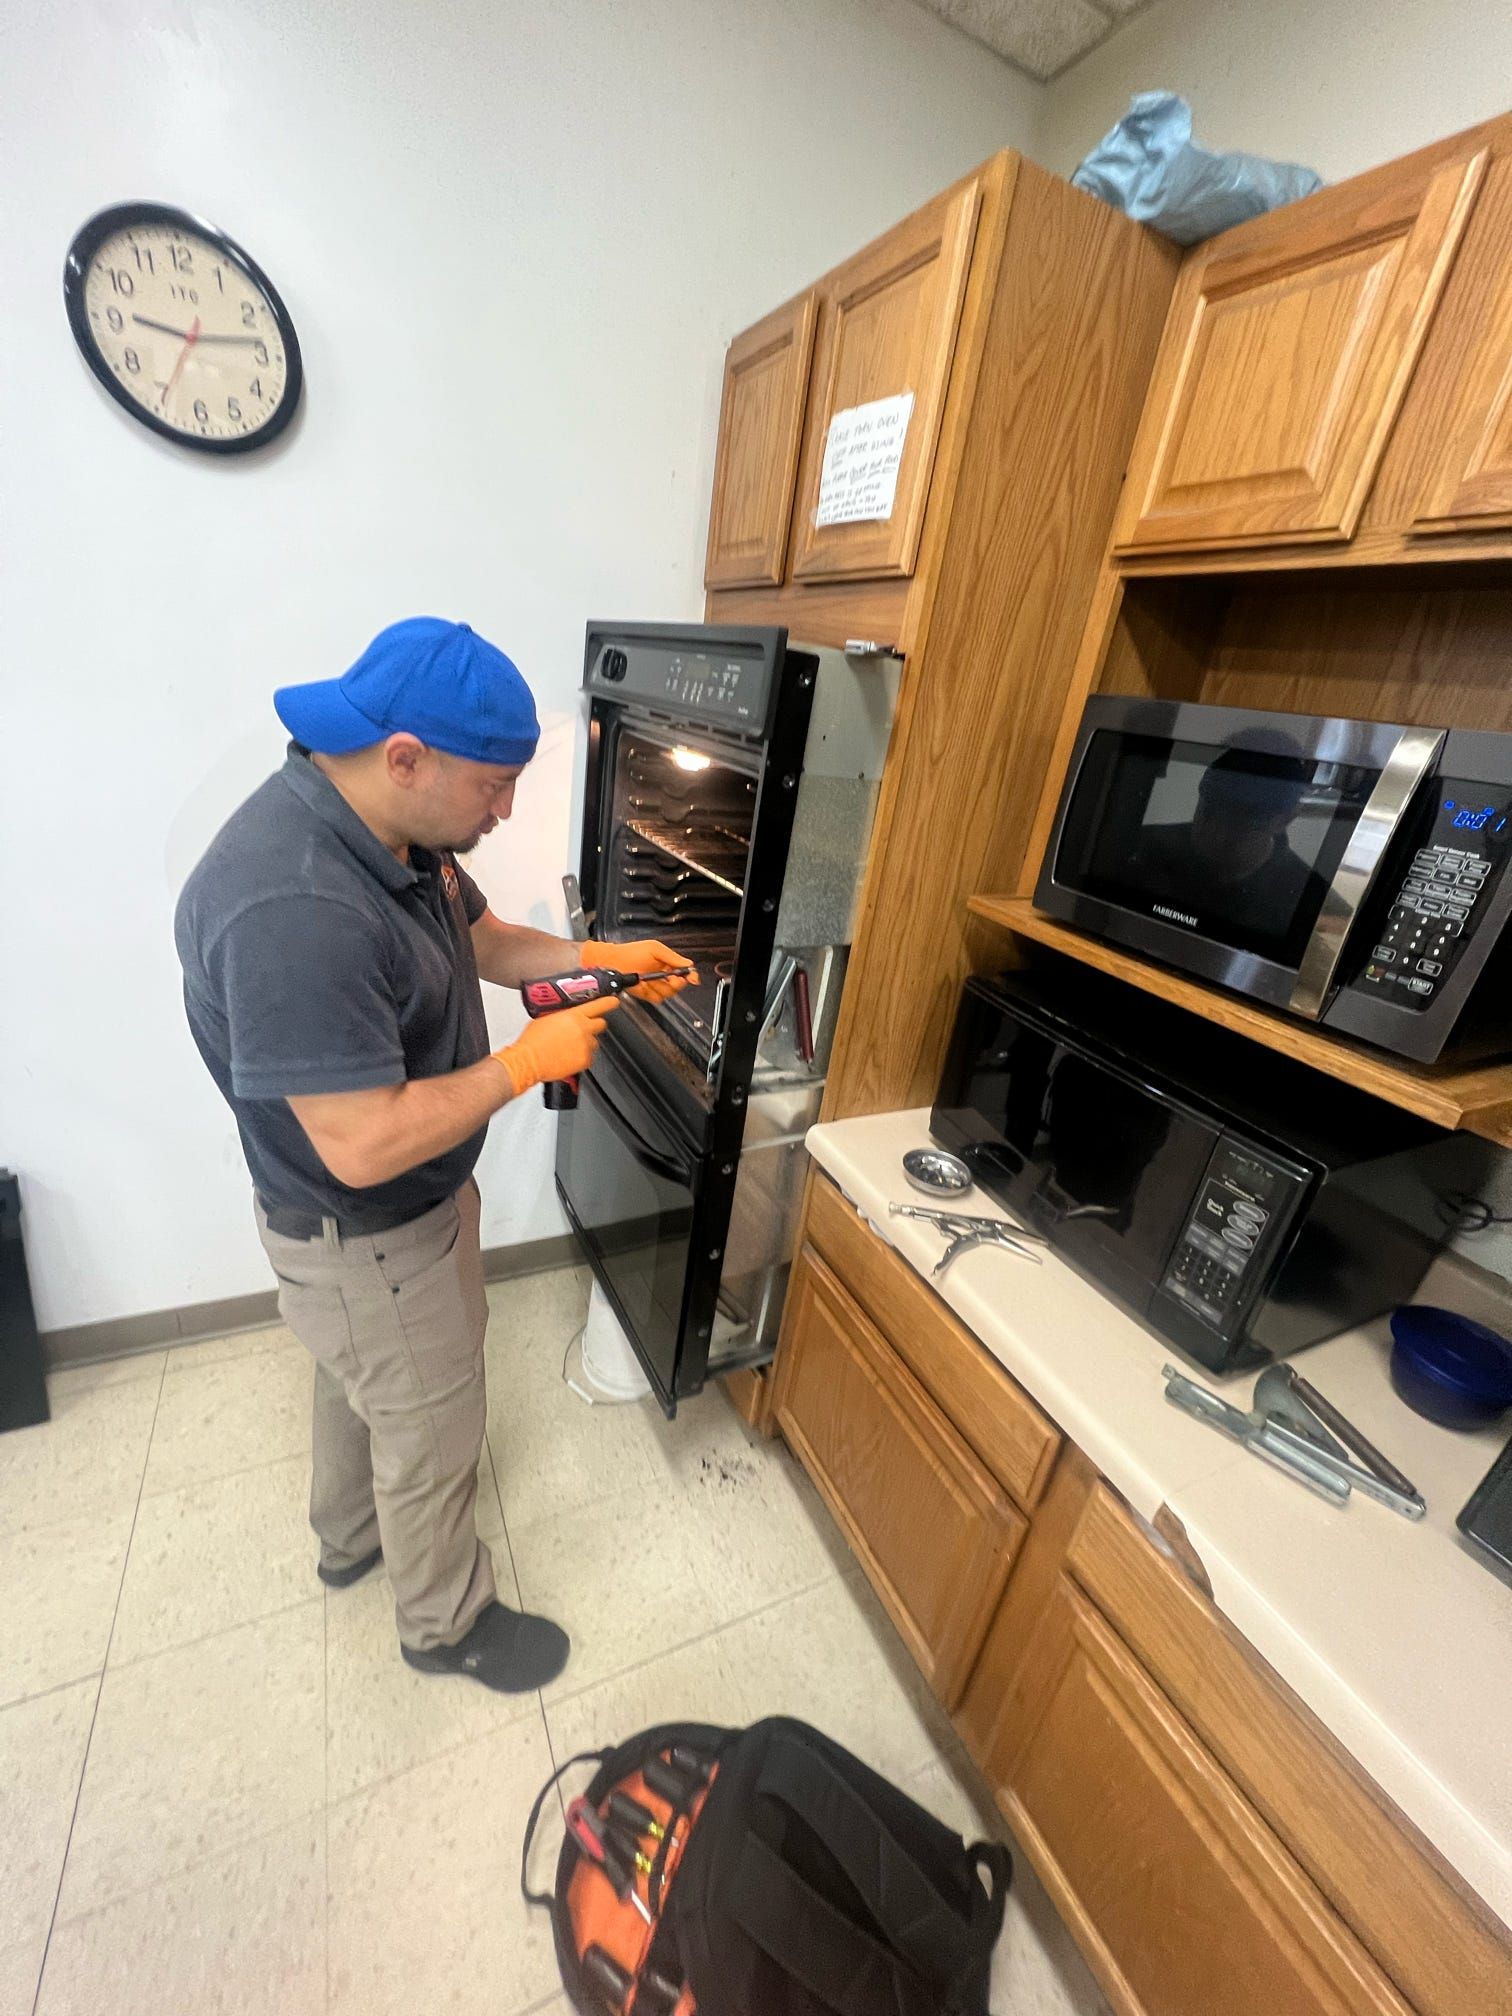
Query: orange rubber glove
(641, 955)
(555, 1047)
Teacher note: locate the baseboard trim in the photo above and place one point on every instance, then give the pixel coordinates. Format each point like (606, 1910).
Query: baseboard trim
(128, 1336)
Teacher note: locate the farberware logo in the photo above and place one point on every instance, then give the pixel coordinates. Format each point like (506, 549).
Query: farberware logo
(1176, 916)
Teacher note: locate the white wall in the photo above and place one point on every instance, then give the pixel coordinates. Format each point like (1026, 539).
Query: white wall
(1336, 84)
(515, 239)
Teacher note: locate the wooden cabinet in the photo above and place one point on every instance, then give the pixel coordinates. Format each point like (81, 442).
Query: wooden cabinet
(934, 1529)
(761, 411)
(1287, 355)
(1184, 1900)
(887, 325)
(1470, 487)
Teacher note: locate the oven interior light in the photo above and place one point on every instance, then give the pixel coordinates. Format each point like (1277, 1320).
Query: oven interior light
(690, 759)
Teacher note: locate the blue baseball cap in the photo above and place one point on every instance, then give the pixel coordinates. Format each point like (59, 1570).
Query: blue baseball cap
(439, 681)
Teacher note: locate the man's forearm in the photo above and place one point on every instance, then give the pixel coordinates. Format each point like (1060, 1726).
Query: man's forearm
(511, 954)
(384, 1134)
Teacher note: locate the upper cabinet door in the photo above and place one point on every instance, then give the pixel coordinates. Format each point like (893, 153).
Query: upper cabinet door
(1470, 489)
(1285, 361)
(756, 465)
(887, 331)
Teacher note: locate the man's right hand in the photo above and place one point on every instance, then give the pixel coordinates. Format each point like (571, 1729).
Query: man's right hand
(555, 1047)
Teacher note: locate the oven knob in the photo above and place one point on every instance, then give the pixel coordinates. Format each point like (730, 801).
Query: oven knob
(613, 665)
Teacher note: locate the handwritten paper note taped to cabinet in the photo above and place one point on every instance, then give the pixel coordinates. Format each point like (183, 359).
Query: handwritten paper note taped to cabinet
(862, 455)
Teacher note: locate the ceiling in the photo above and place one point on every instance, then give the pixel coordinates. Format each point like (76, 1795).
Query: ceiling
(1039, 37)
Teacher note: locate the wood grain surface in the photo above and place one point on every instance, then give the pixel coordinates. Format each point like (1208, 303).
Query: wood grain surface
(761, 411)
(1478, 1098)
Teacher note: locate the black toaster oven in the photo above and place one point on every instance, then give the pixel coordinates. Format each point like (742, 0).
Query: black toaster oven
(1239, 1204)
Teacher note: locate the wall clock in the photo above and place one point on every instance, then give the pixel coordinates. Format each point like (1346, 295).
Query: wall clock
(182, 328)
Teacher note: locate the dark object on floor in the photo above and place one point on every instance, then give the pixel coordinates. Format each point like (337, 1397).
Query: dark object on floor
(507, 1650)
(343, 1578)
(1449, 1369)
(23, 1382)
(1487, 1517)
(787, 1876)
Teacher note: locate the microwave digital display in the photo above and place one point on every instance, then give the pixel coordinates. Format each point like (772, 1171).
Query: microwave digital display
(1236, 841)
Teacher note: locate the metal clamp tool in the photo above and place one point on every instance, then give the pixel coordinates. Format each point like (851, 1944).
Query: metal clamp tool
(1258, 1437)
(964, 1232)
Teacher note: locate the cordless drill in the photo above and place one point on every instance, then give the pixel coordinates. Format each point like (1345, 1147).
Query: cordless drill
(570, 990)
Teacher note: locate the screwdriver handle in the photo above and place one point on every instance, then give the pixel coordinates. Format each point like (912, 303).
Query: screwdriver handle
(630, 1813)
(560, 1095)
(665, 1782)
(695, 1762)
(607, 1975)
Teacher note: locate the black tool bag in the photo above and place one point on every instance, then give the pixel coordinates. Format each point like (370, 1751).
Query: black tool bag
(791, 1880)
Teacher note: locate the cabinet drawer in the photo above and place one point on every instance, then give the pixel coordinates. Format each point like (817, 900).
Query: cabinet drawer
(995, 1416)
(1183, 1899)
(1425, 1935)
(933, 1529)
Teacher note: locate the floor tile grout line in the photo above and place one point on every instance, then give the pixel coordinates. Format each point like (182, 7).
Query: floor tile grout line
(221, 1476)
(227, 1848)
(94, 1716)
(221, 1631)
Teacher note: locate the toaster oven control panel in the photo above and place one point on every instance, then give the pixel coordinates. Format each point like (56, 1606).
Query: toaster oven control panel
(1230, 1232)
(1434, 909)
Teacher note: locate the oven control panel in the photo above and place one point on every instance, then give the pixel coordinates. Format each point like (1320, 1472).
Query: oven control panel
(1434, 909)
(1230, 1232)
(712, 684)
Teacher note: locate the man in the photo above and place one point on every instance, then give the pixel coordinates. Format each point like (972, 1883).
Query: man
(332, 950)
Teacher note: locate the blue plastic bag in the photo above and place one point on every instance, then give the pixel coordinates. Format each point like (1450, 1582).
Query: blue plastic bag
(1148, 166)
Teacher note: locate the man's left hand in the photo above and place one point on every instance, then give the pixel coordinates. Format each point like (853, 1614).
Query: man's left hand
(641, 955)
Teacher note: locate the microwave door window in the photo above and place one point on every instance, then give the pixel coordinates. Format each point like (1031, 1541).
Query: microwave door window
(1238, 842)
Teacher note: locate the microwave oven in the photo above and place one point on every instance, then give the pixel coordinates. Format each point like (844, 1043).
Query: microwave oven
(1351, 873)
(1237, 1203)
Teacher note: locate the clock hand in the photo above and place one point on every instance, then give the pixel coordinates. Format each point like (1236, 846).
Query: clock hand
(183, 334)
(148, 323)
(189, 342)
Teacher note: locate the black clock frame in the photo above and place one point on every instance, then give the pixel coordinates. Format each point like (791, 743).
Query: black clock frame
(121, 216)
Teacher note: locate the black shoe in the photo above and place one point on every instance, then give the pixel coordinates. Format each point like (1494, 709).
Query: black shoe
(506, 1649)
(343, 1578)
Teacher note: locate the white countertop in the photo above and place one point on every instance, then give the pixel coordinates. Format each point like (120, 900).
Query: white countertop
(1390, 1630)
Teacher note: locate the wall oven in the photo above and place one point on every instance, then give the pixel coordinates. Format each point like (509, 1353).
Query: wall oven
(1352, 873)
(730, 793)
(1237, 1203)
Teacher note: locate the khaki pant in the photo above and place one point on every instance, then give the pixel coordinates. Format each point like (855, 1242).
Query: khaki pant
(395, 1325)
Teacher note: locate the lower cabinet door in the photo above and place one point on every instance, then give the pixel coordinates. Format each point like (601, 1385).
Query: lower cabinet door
(933, 1529)
(1184, 1901)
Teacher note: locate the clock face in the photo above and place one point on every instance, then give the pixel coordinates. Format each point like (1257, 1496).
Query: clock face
(182, 328)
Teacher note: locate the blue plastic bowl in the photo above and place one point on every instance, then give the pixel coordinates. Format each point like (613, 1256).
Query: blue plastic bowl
(1449, 1369)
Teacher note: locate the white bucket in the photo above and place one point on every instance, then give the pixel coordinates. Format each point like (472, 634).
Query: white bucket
(610, 1366)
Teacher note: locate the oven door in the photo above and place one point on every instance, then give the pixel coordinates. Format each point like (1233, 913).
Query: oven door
(632, 1183)
(1228, 842)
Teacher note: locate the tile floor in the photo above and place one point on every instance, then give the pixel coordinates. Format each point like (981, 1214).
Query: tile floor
(222, 1792)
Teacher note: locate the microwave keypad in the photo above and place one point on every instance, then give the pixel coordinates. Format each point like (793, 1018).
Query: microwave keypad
(1224, 1234)
(1427, 923)
(1434, 911)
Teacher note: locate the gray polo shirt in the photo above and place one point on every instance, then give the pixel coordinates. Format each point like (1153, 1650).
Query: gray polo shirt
(315, 961)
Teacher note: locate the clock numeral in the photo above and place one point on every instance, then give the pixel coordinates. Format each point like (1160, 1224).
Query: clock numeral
(233, 409)
(116, 319)
(249, 315)
(122, 281)
(133, 362)
(260, 352)
(256, 388)
(219, 280)
(143, 257)
(182, 257)
(201, 411)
